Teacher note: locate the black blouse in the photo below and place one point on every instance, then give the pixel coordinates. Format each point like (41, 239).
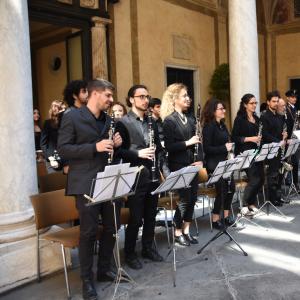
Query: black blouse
(215, 136)
(242, 128)
(175, 135)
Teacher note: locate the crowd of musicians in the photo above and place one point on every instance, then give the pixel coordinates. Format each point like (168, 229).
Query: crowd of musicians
(163, 136)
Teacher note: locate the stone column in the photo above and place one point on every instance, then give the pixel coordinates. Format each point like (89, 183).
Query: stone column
(99, 47)
(18, 178)
(243, 51)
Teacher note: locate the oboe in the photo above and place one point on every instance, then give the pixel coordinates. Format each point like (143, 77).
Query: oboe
(111, 133)
(198, 132)
(152, 145)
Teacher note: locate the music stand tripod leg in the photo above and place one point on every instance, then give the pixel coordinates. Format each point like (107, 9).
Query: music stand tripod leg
(121, 273)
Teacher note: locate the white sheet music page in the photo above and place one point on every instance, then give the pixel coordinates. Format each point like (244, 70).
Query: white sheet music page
(247, 157)
(262, 155)
(297, 134)
(274, 150)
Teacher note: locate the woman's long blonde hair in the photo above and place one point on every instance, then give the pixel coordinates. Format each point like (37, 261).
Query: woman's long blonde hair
(56, 108)
(168, 99)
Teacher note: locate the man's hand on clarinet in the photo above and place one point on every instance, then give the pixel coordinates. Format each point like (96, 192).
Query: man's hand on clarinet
(105, 146)
(147, 153)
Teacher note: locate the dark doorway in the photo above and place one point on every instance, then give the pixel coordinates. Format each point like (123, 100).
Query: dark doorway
(295, 85)
(177, 75)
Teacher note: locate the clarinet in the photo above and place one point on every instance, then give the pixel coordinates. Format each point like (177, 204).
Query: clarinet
(151, 143)
(260, 128)
(111, 133)
(230, 154)
(296, 123)
(198, 132)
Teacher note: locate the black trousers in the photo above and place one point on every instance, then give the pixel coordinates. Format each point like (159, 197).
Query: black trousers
(255, 176)
(89, 222)
(185, 208)
(223, 191)
(143, 210)
(274, 185)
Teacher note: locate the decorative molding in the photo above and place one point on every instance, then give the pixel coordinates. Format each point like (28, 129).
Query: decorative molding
(66, 1)
(94, 4)
(181, 47)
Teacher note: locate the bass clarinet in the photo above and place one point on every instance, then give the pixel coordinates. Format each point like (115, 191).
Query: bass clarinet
(151, 143)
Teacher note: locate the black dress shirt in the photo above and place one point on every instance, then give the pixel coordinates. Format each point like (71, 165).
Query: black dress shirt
(215, 136)
(291, 115)
(243, 128)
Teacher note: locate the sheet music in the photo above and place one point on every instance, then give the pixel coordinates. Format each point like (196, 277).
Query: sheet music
(293, 143)
(296, 146)
(178, 179)
(247, 157)
(262, 155)
(218, 172)
(274, 150)
(105, 185)
(297, 134)
(233, 165)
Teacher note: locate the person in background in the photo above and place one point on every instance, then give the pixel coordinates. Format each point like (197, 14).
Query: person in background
(37, 129)
(154, 105)
(118, 109)
(50, 131)
(75, 94)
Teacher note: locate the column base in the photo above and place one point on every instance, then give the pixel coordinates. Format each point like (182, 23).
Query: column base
(18, 261)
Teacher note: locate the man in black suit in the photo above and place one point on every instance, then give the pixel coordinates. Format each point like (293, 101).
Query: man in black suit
(143, 205)
(83, 141)
(291, 112)
(273, 132)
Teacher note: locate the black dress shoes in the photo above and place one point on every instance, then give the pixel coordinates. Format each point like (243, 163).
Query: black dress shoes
(133, 262)
(190, 238)
(88, 290)
(106, 276)
(151, 254)
(181, 240)
(217, 225)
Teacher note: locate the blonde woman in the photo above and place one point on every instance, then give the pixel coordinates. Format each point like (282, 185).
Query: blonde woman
(180, 140)
(50, 129)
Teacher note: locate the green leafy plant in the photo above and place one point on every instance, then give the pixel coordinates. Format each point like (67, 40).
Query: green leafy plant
(220, 83)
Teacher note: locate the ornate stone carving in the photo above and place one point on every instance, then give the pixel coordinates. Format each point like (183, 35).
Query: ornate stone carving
(181, 47)
(66, 1)
(89, 3)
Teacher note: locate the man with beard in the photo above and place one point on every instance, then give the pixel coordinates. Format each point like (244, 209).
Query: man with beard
(83, 141)
(142, 205)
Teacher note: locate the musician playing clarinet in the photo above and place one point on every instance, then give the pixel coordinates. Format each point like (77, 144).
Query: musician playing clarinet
(246, 134)
(273, 125)
(180, 141)
(144, 150)
(217, 147)
(83, 141)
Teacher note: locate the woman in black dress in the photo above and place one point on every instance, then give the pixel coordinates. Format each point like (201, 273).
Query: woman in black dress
(245, 135)
(216, 144)
(180, 140)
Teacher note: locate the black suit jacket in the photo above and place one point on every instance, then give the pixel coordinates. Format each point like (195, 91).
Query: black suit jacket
(78, 135)
(175, 135)
(291, 115)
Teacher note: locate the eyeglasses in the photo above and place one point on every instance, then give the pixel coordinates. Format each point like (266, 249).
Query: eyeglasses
(252, 103)
(142, 97)
(185, 96)
(221, 108)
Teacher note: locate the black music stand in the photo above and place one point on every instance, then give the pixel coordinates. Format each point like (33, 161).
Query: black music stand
(267, 152)
(223, 171)
(175, 181)
(246, 162)
(291, 150)
(115, 182)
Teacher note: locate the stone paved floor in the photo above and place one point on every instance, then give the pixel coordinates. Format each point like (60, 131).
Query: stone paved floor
(270, 272)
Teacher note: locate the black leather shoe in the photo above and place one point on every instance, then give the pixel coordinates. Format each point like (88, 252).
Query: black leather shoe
(88, 290)
(107, 276)
(133, 262)
(217, 225)
(190, 238)
(181, 240)
(152, 254)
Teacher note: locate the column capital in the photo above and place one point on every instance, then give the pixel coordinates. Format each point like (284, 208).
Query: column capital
(100, 22)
